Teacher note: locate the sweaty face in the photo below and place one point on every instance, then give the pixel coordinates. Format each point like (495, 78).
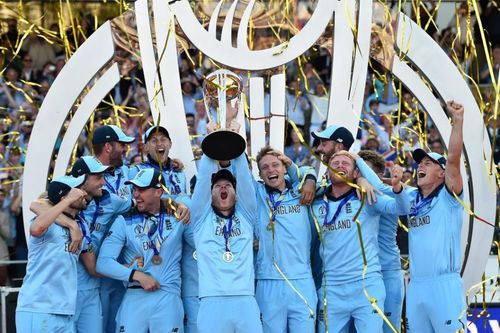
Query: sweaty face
(147, 199)
(429, 173)
(158, 146)
(117, 153)
(272, 171)
(344, 166)
(93, 185)
(223, 195)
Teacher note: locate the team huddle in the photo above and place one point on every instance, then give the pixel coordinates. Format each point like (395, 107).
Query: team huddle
(119, 249)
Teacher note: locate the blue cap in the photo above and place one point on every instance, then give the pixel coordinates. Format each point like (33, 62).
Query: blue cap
(336, 133)
(419, 154)
(61, 186)
(147, 178)
(110, 133)
(154, 129)
(88, 165)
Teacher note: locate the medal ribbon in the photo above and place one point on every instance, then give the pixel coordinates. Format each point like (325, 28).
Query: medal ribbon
(273, 206)
(110, 187)
(83, 228)
(156, 243)
(419, 205)
(226, 230)
(176, 187)
(339, 208)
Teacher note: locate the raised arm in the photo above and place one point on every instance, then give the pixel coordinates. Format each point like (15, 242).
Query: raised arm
(43, 221)
(245, 190)
(202, 196)
(453, 178)
(40, 206)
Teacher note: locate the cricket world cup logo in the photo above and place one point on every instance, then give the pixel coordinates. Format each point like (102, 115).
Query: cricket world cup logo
(91, 73)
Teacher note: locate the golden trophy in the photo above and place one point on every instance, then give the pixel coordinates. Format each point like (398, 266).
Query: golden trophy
(222, 96)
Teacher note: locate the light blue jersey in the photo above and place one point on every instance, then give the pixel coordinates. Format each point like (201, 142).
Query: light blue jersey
(435, 224)
(175, 181)
(112, 292)
(50, 283)
(389, 254)
(148, 236)
(292, 234)
(226, 278)
(115, 183)
(135, 235)
(341, 248)
(189, 287)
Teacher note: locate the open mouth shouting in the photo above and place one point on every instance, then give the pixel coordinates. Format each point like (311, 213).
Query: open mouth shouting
(420, 174)
(224, 195)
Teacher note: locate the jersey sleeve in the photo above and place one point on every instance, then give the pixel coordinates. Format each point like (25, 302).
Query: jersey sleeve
(370, 175)
(245, 190)
(202, 196)
(111, 248)
(400, 204)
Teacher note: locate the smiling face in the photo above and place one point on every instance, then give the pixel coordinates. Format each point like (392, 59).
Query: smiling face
(344, 167)
(272, 172)
(158, 146)
(223, 195)
(147, 199)
(429, 173)
(93, 185)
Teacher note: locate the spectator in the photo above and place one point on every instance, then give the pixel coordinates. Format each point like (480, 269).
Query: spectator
(190, 93)
(297, 105)
(295, 150)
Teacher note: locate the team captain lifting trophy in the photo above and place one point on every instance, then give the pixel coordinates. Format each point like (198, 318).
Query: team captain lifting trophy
(222, 97)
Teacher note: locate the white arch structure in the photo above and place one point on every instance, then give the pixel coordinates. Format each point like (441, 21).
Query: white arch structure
(349, 68)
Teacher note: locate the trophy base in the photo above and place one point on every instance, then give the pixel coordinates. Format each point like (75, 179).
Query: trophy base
(223, 145)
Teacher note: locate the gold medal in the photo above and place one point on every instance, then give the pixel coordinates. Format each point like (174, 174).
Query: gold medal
(90, 248)
(195, 257)
(227, 256)
(157, 259)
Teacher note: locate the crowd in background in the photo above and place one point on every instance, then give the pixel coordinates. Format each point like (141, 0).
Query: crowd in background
(392, 122)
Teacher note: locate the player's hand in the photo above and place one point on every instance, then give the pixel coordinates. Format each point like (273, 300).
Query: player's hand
(177, 164)
(183, 213)
(371, 192)
(212, 127)
(396, 176)
(234, 126)
(456, 110)
(75, 195)
(76, 238)
(308, 192)
(147, 282)
(282, 157)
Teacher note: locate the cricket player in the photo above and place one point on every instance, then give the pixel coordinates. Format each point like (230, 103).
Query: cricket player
(341, 219)
(110, 144)
(152, 301)
(158, 144)
(389, 256)
(286, 293)
(223, 215)
(47, 299)
(435, 296)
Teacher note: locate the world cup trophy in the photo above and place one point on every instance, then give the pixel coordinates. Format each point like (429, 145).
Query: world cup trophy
(222, 96)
